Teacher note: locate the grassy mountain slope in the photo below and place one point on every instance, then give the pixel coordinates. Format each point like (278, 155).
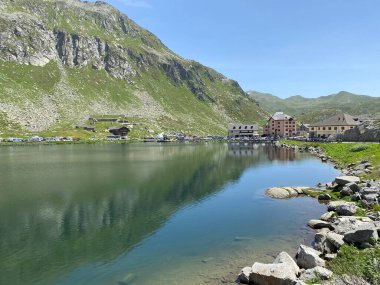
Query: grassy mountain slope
(315, 109)
(64, 61)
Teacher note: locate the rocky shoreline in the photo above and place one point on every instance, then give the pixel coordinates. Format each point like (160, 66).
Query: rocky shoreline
(352, 222)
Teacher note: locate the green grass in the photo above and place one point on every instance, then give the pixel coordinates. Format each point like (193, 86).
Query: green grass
(343, 155)
(361, 263)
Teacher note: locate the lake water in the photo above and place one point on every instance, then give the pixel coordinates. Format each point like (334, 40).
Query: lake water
(149, 213)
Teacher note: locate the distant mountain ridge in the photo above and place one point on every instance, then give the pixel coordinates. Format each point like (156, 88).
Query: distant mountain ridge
(62, 61)
(311, 110)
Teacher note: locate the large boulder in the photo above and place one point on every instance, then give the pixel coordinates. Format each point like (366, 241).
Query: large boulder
(280, 193)
(285, 258)
(316, 272)
(319, 224)
(333, 205)
(244, 275)
(308, 257)
(335, 239)
(366, 233)
(347, 209)
(345, 224)
(272, 274)
(343, 180)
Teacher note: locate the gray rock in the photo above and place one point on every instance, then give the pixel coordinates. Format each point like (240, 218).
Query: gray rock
(366, 233)
(347, 209)
(285, 258)
(244, 275)
(345, 224)
(327, 216)
(343, 180)
(319, 224)
(335, 239)
(316, 272)
(309, 258)
(346, 191)
(353, 186)
(280, 193)
(347, 280)
(330, 256)
(272, 274)
(371, 198)
(333, 205)
(320, 240)
(324, 197)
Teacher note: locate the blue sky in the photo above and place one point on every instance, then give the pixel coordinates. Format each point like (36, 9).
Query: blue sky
(284, 47)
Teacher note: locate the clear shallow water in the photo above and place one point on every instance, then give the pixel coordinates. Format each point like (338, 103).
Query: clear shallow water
(147, 213)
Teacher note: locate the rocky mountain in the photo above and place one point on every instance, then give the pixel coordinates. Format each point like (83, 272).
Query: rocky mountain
(65, 60)
(315, 109)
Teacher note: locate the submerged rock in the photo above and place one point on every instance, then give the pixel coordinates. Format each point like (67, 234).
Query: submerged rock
(280, 193)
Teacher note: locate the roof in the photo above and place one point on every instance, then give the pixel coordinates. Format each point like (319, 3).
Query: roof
(232, 127)
(338, 120)
(279, 116)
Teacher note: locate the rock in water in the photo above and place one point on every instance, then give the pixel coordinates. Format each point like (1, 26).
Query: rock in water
(128, 279)
(244, 275)
(273, 274)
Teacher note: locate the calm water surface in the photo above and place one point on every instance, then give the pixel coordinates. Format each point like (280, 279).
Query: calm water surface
(147, 213)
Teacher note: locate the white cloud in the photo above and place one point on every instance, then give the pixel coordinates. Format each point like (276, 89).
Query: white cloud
(136, 3)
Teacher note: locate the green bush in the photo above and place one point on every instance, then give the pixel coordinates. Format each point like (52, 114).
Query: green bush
(376, 207)
(359, 147)
(354, 262)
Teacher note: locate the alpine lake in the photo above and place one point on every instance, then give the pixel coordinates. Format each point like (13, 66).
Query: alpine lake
(139, 214)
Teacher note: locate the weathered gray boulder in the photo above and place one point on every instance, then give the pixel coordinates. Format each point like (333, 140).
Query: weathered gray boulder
(346, 191)
(308, 258)
(353, 187)
(279, 193)
(320, 240)
(343, 180)
(316, 272)
(272, 274)
(332, 206)
(345, 224)
(335, 239)
(366, 233)
(319, 224)
(347, 209)
(327, 216)
(244, 275)
(285, 258)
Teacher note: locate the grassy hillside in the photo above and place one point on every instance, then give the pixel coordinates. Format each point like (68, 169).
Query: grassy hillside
(315, 109)
(64, 61)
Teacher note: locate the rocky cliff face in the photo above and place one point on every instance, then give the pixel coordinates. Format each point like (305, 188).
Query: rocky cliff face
(72, 35)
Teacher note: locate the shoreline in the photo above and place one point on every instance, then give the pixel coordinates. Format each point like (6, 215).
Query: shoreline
(313, 264)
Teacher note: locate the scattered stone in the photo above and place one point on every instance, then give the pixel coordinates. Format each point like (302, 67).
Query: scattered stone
(330, 256)
(273, 274)
(319, 224)
(364, 233)
(324, 197)
(244, 275)
(327, 216)
(343, 180)
(347, 209)
(316, 272)
(335, 239)
(308, 257)
(332, 206)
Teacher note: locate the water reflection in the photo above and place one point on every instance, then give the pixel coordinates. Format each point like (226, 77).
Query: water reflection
(62, 207)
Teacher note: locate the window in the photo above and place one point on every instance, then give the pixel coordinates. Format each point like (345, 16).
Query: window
(251, 127)
(246, 127)
(335, 128)
(240, 128)
(312, 129)
(324, 128)
(234, 128)
(342, 128)
(329, 128)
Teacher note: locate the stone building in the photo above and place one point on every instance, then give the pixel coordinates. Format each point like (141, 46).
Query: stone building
(281, 125)
(243, 131)
(333, 126)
